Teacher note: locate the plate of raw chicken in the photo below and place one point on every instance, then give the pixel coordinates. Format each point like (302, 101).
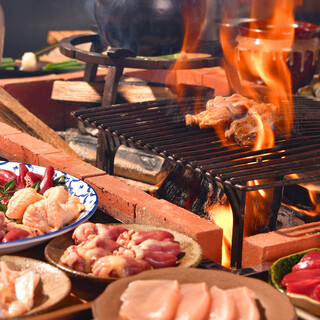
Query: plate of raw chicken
(191, 293)
(29, 286)
(298, 276)
(44, 203)
(103, 253)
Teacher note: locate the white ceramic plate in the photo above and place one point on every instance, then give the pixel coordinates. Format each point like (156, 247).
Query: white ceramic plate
(54, 285)
(75, 187)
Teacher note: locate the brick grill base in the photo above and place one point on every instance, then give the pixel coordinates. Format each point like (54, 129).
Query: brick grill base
(131, 205)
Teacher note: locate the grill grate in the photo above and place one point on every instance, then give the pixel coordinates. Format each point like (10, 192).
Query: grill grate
(159, 127)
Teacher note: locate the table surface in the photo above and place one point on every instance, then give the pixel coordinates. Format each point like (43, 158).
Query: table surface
(77, 304)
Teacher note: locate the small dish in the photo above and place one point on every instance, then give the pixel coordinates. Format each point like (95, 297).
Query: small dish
(272, 304)
(191, 251)
(75, 187)
(54, 284)
(283, 266)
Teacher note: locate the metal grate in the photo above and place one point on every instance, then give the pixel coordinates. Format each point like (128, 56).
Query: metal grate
(159, 127)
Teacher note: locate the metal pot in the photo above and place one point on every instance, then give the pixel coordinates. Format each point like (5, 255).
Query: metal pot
(148, 27)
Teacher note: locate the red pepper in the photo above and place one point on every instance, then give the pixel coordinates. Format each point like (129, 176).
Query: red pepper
(23, 170)
(7, 176)
(47, 180)
(31, 178)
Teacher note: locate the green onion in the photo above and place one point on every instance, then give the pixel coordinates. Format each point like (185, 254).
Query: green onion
(68, 65)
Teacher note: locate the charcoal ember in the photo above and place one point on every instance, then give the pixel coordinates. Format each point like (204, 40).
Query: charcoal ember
(191, 190)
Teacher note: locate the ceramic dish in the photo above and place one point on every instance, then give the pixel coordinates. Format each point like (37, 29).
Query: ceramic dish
(54, 285)
(283, 266)
(272, 304)
(75, 187)
(191, 251)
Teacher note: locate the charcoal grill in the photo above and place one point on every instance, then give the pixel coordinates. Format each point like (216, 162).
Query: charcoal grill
(159, 127)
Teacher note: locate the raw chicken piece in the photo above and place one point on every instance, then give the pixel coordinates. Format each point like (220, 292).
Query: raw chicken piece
(84, 255)
(16, 291)
(20, 201)
(54, 211)
(223, 306)
(195, 303)
(245, 303)
(150, 299)
(89, 229)
(118, 266)
(155, 259)
(160, 246)
(132, 237)
(20, 231)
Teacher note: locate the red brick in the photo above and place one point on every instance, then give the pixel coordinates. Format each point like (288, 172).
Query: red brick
(268, 247)
(24, 147)
(162, 213)
(5, 129)
(117, 194)
(66, 163)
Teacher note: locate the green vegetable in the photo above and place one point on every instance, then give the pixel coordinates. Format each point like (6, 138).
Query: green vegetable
(7, 64)
(66, 66)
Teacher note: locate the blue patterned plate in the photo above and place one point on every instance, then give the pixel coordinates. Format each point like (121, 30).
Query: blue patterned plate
(75, 187)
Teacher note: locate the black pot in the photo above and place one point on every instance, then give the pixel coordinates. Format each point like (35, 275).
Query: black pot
(148, 27)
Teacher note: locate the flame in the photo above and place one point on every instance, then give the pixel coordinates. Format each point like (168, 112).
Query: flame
(257, 66)
(222, 216)
(314, 195)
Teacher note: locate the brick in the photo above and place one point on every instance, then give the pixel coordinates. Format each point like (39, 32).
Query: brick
(268, 247)
(24, 147)
(5, 129)
(117, 194)
(66, 163)
(164, 214)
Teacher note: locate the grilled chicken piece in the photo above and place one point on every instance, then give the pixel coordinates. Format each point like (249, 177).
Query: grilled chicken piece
(220, 111)
(243, 131)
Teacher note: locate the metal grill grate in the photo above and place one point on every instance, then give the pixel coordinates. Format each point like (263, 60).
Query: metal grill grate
(159, 127)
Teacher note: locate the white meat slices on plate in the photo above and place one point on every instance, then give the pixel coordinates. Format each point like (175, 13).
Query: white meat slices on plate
(223, 306)
(150, 299)
(247, 308)
(195, 302)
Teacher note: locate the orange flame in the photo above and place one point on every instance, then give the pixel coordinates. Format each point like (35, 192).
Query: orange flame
(257, 66)
(314, 195)
(222, 217)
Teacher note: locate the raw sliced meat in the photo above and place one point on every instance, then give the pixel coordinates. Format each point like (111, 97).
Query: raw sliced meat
(299, 276)
(118, 266)
(223, 306)
(150, 299)
(305, 287)
(313, 255)
(195, 302)
(306, 265)
(245, 302)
